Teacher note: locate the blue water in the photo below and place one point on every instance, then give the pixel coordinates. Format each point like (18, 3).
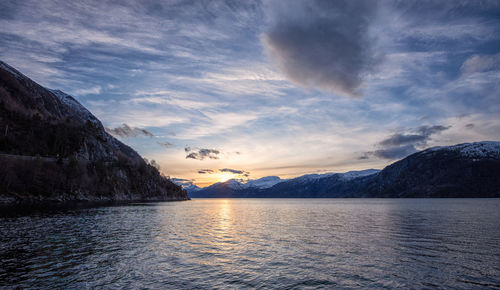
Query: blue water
(257, 243)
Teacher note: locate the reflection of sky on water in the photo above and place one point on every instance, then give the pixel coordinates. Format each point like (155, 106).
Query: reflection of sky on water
(251, 243)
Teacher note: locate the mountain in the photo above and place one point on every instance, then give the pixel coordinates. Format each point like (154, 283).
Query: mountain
(463, 170)
(264, 182)
(186, 184)
(53, 148)
(273, 186)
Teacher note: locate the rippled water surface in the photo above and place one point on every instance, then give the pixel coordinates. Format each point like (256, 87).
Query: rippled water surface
(257, 243)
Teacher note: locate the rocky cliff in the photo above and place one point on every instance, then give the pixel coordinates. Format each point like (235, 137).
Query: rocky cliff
(53, 148)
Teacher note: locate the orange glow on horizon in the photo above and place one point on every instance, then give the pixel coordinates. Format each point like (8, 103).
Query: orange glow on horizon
(210, 179)
(223, 176)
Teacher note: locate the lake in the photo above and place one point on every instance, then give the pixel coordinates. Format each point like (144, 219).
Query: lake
(256, 243)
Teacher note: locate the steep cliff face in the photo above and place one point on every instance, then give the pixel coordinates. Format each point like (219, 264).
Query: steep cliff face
(53, 148)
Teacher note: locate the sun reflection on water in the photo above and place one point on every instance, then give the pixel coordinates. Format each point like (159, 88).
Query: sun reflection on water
(223, 232)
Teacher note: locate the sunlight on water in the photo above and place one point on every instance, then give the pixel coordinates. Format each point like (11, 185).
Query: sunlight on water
(252, 243)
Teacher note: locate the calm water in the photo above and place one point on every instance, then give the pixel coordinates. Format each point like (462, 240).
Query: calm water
(257, 243)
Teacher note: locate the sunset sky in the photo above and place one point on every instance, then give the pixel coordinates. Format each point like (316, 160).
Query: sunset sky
(213, 90)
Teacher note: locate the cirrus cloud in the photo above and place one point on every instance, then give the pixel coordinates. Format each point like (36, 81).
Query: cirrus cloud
(166, 144)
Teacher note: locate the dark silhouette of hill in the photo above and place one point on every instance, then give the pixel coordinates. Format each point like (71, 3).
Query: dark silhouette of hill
(53, 148)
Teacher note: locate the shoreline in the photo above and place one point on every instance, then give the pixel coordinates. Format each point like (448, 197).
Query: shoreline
(32, 206)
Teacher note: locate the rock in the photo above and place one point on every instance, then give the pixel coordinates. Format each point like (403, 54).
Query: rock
(53, 148)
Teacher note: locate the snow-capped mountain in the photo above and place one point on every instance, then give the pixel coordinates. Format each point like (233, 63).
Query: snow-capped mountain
(186, 184)
(234, 186)
(346, 175)
(311, 177)
(463, 170)
(11, 70)
(74, 108)
(270, 181)
(484, 149)
(264, 182)
(355, 174)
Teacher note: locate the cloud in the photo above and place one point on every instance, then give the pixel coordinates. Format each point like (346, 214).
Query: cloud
(395, 152)
(231, 170)
(183, 182)
(166, 144)
(399, 139)
(126, 131)
(197, 68)
(180, 99)
(235, 171)
(218, 121)
(201, 154)
(402, 144)
(429, 130)
(420, 137)
(470, 126)
(115, 112)
(88, 91)
(364, 156)
(205, 171)
(323, 44)
(481, 63)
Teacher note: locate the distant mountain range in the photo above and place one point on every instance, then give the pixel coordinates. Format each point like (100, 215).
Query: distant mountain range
(53, 148)
(463, 170)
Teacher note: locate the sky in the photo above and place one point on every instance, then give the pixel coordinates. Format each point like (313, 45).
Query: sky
(213, 90)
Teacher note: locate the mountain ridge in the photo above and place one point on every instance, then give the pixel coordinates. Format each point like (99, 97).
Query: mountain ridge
(269, 181)
(53, 148)
(461, 170)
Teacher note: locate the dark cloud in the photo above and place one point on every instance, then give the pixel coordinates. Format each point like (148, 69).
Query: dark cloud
(420, 137)
(400, 145)
(183, 182)
(399, 139)
(235, 171)
(364, 156)
(200, 154)
(323, 44)
(125, 131)
(231, 170)
(205, 171)
(429, 130)
(470, 126)
(166, 144)
(395, 152)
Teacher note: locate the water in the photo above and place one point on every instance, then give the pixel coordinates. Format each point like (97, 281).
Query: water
(257, 243)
